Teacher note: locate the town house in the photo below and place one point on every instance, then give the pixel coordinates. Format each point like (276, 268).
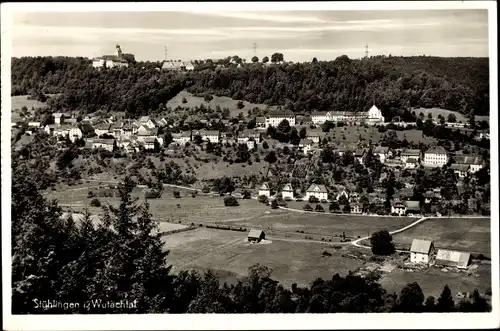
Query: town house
(287, 191)
(275, 117)
(317, 190)
(436, 157)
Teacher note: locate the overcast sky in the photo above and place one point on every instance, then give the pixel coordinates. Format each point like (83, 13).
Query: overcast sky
(299, 35)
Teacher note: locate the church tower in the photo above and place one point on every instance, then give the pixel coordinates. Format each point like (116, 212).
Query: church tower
(119, 51)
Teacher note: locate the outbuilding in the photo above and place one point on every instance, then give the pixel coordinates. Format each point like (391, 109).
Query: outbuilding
(452, 258)
(256, 235)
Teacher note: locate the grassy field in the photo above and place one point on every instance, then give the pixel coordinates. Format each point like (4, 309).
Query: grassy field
(438, 111)
(223, 102)
(19, 101)
(201, 209)
(415, 136)
(432, 280)
(229, 254)
(327, 224)
(467, 234)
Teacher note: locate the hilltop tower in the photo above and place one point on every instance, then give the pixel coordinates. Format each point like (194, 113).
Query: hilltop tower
(119, 51)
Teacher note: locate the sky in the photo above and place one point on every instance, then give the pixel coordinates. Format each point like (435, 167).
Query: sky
(299, 35)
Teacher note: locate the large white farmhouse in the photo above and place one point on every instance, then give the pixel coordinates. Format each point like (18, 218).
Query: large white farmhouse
(275, 117)
(435, 157)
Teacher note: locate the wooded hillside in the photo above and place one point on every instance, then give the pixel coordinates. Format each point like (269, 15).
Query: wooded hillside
(393, 83)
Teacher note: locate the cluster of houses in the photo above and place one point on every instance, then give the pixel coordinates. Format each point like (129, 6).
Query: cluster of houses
(423, 252)
(110, 132)
(372, 117)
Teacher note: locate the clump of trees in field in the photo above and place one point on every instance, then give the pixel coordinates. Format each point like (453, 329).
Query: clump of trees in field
(123, 257)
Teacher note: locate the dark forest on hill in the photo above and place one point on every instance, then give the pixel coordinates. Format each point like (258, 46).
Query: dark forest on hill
(394, 84)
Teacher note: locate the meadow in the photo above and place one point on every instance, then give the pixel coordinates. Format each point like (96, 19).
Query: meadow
(439, 111)
(465, 234)
(230, 255)
(222, 102)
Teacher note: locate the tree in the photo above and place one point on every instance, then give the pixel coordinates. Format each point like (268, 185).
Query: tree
(445, 301)
(263, 199)
(252, 123)
(231, 201)
(246, 194)
(277, 57)
(255, 59)
(167, 140)
(430, 304)
(319, 208)
(307, 208)
(271, 157)
(334, 206)
(313, 199)
(274, 204)
(452, 118)
(303, 133)
(265, 59)
(411, 299)
(381, 242)
(284, 126)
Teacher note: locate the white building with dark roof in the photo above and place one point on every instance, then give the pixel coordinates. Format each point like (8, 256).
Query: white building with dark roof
(265, 190)
(287, 191)
(275, 117)
(317, 190)
(436, 157)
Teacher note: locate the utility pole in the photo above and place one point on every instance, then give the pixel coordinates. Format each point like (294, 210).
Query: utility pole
(166, 52)
(366, 51)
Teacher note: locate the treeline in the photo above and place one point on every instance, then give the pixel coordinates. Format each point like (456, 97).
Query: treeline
(393, 83)
(138, 90)
(122, 258)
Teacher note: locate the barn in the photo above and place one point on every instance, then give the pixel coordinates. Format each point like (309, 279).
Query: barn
(421, 251)
(452, 258)
(256, 235)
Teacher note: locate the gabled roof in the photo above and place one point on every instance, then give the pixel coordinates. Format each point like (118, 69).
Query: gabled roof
(412, 205)
(150, 140)
(255, 233)
(381, 150)
(319, 113)
(468, 159)
(260, 119)
(305, 142)
(57, 115)
(411, 160)
(264, 186)
(421, 246)
(412, 152)
(374, 108)
(319, 188)
(287, 187)
(459, 167)
(280, 113)
(436, 150)
(103, 126)
(452, 258)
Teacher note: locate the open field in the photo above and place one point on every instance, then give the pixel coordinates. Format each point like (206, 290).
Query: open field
(325, 224)
(230, 255)
(438, 111)
(228, 251)
(432, 280)
(201, 209)
(222, 102)
(19, 101)
(466, 234)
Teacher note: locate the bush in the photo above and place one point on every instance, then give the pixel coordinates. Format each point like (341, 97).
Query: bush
(323, 201)
(288, 199)
(152, 194)
(313, 199)
(90, 194)
(319, 208)
(95, 203)
(263, 199)
(205, 189)
(231, 201)
(177, 194)
(194, 194)
(307, 208)
(274, 204)
(247, 194)
(337, 247)
(325, 253)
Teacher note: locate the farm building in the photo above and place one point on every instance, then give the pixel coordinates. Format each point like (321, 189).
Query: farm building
(256, 235)
(421, 251)
(381, 152)
(461, 170)
(452, 258)
(265, 190)
(287, 191)
(412, 207)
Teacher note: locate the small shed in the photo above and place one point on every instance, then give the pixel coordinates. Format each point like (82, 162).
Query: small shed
(421, 251)
(452, 258)
(256, 235)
